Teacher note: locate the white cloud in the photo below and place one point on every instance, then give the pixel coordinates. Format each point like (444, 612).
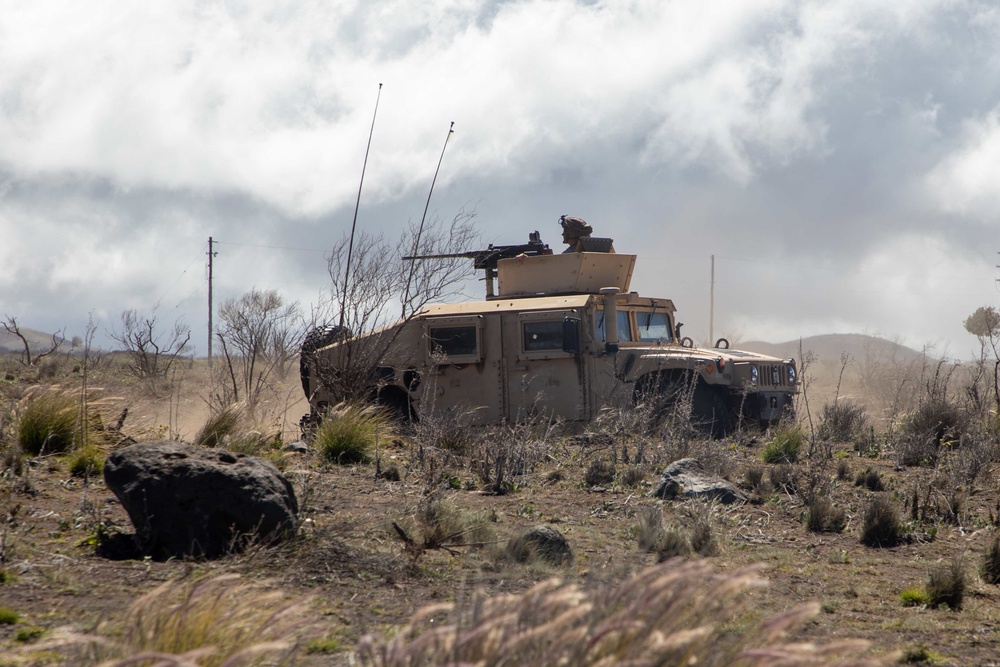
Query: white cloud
(965, 180)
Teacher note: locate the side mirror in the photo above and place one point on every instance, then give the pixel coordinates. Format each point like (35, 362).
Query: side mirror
(571, 335)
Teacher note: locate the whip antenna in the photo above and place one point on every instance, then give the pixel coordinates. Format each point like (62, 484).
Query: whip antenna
(357, 205)
(420, 230)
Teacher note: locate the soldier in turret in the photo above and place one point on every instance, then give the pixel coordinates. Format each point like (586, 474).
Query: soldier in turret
(576, 235)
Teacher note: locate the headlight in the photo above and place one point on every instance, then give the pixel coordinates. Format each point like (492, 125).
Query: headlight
(754, 375)
(791, 374)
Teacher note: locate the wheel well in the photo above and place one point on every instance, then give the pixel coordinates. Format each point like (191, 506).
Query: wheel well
(397, 401)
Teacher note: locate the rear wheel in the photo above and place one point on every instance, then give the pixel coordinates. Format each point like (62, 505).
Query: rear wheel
(317, 338)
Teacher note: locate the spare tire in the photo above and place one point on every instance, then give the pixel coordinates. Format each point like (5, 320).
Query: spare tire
(317, 338)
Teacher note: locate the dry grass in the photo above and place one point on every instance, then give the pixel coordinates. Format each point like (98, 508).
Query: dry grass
(677, 613)
(212, 622)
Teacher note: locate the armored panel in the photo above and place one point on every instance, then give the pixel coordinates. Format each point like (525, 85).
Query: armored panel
(569, 273)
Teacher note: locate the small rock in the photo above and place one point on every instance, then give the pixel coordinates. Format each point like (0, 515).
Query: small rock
(687, 477)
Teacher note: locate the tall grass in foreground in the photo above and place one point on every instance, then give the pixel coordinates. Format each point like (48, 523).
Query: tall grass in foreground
(677, 613)
(212, 622)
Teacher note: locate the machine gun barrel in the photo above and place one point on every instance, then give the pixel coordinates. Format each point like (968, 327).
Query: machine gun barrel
(487, 259)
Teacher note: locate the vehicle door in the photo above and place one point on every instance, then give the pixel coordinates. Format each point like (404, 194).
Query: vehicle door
(463, 360)
(541, 377)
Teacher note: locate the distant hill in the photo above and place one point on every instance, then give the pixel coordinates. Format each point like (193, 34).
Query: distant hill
(38, 341)
(829, 347)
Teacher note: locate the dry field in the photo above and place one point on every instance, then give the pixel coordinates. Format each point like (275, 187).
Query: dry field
(67, 588)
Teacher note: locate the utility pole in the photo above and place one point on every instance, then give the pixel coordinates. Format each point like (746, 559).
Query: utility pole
(711, 307)
(211, 254)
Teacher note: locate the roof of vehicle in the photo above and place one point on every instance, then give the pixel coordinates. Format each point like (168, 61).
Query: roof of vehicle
(520, 304)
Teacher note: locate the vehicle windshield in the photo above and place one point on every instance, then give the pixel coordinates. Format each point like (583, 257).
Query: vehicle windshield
(654, 327)
(624, 331)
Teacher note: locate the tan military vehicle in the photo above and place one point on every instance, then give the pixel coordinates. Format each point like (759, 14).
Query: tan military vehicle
(558, 334)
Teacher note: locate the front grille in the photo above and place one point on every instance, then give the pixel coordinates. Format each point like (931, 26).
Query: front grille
(773, 375)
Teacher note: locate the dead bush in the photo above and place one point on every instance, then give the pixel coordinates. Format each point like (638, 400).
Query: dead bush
(946, 585)
(842, 421)
(870, 479)
(823, 517)
(599, 473)
(881, 527)
(936, 419)
(991, 563)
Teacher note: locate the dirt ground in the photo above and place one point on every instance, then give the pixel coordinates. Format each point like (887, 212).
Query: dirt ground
(360, 578)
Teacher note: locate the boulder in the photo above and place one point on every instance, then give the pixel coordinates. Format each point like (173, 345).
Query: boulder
(189, 501)
(687, 477)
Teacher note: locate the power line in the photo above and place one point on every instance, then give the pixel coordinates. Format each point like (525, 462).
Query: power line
(268, 247)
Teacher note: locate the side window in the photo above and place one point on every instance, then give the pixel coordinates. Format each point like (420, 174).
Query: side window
(624, 331)
(542, 335)
(654, 327)
(454, 341)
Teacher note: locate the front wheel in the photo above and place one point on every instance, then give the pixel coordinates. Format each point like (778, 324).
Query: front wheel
(710, 412)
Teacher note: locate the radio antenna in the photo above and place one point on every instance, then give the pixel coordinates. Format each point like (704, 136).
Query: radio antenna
(420, 230)
(357, 205)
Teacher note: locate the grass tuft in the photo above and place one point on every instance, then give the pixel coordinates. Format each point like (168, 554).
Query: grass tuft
(8, 616)
(881, 527)
(221, 425)
(991, 563)
(46, 421)
(785, 446)
(350, 433)
(946, 585)
(86, 462)
(914, 597)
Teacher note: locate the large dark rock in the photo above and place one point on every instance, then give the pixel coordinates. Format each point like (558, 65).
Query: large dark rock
(188, 501)
(687, 477)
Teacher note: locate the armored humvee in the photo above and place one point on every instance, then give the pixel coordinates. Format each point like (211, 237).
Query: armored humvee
(560, 334)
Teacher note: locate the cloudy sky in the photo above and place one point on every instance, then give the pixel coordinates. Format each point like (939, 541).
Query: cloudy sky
(839, 158)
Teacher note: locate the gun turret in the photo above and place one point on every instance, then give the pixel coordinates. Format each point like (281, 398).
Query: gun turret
(487, 259)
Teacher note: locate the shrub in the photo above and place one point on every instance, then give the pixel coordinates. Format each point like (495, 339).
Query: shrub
(946, 585)
(632, 476)
(599, 473)
(8, 616)
(991, 563)
(350, 432)
(753, 479)
(938, 419)
(47, 421)
(699, 520)
(542, 543)
(653, 538)
(842, 422)
(881, 527)
(916, 449)
(784, 447)
(784, 479)
(823, 517)
(29, 634)
(870, 479)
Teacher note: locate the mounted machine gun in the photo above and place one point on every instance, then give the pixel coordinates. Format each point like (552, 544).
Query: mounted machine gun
(486, 260)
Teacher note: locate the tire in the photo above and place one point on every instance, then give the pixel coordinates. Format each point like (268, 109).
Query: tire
(710, 412)
(317, 338)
